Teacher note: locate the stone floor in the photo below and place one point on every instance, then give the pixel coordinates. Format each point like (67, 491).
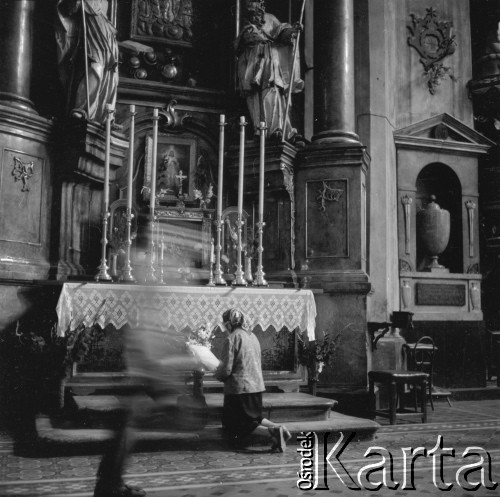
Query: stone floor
(214, 470)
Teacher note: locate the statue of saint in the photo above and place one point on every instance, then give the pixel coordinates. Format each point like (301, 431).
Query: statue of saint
(265, 57)
(102, 57)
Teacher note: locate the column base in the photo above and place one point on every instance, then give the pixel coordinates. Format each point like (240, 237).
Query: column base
(336, 136)
(17, 102)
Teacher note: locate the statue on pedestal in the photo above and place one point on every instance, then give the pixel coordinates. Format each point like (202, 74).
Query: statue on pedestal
(265, 52)
(87, 56)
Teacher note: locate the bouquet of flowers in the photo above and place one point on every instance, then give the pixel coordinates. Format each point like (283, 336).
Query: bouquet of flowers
(199, 345)
(204, 198)
(202, 336)
(316, 354)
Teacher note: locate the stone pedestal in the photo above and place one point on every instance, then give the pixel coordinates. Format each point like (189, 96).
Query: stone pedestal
(330, 190)
(79, 189)
(279, 204)
(25, 194)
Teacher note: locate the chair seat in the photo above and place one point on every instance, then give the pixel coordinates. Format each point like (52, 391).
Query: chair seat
(395, 381)
(399, 375)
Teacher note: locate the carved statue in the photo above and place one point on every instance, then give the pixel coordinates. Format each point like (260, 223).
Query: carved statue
(101, 52)
(265, 57)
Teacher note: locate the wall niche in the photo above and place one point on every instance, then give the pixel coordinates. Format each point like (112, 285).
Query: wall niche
(440, 181)
(438, 228)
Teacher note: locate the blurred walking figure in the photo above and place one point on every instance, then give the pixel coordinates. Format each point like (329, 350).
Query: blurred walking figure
(156, 362)
(241, 371)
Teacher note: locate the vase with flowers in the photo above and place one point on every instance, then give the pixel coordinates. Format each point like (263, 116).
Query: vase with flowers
(42, 359)
(316, 354)
(204, 195)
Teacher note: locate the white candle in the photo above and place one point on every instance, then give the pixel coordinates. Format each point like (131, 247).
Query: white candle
(241, 167)
(109, 113)
(131, 159)
(212, 253)
(221, 165)
(153, 164)
(261, 169)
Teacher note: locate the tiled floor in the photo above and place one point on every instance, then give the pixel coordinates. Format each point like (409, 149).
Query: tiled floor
(213, 470)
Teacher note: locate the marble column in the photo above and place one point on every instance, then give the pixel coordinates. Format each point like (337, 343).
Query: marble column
(16, 55)
(334, 118)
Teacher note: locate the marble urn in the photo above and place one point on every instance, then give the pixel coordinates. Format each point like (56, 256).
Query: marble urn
(433, 231)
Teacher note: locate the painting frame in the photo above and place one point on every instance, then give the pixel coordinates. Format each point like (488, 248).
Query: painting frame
(173, 154)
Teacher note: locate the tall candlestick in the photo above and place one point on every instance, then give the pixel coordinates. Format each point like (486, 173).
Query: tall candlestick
(102, 274)
(218, 279)
(127, 270)
(151, 277)
(239, 279)
(259, 275)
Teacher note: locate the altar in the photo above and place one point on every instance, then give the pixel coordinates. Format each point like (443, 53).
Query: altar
(275, 315)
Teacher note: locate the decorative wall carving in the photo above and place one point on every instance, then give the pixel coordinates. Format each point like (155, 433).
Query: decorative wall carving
(471, 206)
(290, 188)
(407, 201)
(23, 171)
(327, 231)
(167, 21)
(473, 269)
(21, 207)
(404, 266)
(433, 40)
(328, 194)
(406, 293)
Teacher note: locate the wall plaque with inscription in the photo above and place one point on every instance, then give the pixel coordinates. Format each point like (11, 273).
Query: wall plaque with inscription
(440, 294)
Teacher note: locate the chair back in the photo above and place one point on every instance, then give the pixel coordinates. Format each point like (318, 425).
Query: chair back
(423, 355)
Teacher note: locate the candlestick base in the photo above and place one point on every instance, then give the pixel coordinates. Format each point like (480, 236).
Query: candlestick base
(219, 279)
(259, 279)
(103, 274)
(211, 277)
(127, 276)
(239, 279)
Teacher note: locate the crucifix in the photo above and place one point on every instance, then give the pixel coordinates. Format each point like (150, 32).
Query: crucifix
(181, 177)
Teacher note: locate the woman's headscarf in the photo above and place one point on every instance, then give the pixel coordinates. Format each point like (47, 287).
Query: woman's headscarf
(235, 317)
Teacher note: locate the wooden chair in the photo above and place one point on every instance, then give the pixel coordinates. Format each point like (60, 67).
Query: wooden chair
(396, 381)
(420, 357)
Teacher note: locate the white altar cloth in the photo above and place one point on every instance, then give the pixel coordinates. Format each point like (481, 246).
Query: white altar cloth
(183, 307)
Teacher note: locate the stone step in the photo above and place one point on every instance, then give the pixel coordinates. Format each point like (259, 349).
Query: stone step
(61, 437)
(102, 384)
(94, 410)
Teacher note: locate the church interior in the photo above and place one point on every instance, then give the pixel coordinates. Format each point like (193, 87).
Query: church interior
(331, 171)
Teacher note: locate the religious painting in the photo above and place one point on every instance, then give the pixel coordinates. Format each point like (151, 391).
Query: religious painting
(175, 168)
(164, 21)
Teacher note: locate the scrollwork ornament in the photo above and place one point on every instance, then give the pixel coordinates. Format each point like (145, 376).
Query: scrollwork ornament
(23, 171)
(433, 40)
(171, 117)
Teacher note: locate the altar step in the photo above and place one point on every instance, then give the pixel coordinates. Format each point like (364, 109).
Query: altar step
(93, 410)
(86, 429)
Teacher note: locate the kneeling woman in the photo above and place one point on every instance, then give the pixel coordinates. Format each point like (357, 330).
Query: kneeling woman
(241, 371)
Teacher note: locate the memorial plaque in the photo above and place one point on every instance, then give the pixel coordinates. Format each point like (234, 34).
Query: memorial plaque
(440, 294)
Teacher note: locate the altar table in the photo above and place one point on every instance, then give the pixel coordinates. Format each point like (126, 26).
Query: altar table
(183, 307)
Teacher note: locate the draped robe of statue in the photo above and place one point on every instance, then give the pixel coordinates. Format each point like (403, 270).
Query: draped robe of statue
(102, 56)
(265, 57)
